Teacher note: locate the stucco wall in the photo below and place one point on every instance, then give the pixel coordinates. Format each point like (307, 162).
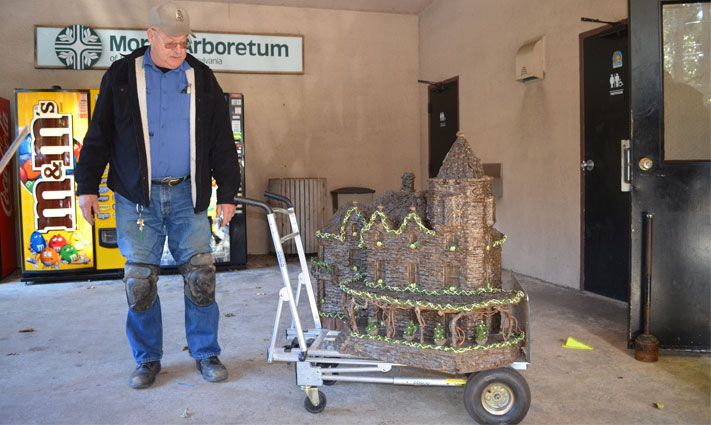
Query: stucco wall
(357, 116)
(533, 129)
(352, 117)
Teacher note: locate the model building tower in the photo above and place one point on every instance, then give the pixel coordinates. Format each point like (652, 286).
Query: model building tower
(461, 208)
(443, 239)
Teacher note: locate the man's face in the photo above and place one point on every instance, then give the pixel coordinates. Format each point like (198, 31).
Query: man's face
(167, 52)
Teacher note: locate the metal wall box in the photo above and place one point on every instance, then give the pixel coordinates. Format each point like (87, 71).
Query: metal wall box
(531, 61)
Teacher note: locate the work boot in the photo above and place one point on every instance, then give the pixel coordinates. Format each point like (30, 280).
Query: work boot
(145, 375)
(212, 370)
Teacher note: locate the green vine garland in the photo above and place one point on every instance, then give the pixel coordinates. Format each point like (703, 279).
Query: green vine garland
(328, 315)
(515, 299)
(515, 339)
(341, 236)
(497, 243)
(416, 289)
(368, 225)
(316, 264)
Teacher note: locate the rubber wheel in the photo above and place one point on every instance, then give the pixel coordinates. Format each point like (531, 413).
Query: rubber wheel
(497, 396)
(316, 409)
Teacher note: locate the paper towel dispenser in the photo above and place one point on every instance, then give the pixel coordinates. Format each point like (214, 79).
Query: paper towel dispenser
(530, 61)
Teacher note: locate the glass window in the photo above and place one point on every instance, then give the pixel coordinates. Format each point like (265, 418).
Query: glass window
(686, 31)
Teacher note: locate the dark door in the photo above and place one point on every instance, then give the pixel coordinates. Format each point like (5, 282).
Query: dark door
(671, 169)
(605, 127)
(443, 108)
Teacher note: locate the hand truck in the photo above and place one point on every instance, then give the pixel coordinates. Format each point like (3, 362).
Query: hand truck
(492, 396)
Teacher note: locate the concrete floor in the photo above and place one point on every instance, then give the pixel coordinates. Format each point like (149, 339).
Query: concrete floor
(74, 367)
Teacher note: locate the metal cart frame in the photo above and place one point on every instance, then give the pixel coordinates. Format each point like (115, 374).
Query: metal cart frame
(319, 363)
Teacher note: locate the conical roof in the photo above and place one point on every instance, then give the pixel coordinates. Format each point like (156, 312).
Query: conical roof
(460, 162)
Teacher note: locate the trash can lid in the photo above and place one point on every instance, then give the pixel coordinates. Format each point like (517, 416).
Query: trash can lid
(353, 190)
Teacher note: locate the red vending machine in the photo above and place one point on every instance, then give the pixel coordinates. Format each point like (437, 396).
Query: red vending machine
(8, 248)
(56, 242)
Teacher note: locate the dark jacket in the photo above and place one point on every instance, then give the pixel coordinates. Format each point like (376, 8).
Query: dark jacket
(116, 136)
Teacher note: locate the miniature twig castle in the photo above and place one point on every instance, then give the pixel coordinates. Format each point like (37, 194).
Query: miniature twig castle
(389, 264)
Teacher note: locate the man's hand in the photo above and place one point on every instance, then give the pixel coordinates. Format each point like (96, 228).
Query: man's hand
(87, 203)
(227, 211)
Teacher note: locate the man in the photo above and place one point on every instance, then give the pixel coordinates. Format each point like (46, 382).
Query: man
(162, 124)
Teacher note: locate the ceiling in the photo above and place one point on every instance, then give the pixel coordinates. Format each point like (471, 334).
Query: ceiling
(406, 7)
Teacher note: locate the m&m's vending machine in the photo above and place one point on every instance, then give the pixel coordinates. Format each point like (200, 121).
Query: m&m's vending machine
(56, 242)
(108, 256)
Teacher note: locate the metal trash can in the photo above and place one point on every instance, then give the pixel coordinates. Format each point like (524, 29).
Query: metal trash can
(347, 195)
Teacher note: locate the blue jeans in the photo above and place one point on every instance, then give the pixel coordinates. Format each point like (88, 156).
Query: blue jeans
(170, 214)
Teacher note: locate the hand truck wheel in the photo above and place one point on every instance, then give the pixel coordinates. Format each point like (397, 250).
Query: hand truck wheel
(321, 403)
(497, 396)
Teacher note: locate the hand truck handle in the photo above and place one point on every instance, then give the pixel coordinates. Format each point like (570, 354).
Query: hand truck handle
(279, 198)
(254, 203)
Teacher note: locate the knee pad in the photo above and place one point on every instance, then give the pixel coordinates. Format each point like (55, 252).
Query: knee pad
(141, 289)
(199, 277)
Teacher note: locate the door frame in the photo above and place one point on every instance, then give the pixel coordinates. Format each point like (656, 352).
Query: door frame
(430, 89)
(581, 57)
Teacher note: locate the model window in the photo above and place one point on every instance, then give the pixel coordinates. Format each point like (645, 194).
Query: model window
(451, 276)
(321, 288)
(379, 275)
(412, 273)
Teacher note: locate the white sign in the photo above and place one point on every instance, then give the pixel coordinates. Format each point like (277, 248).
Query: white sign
(81, 47)
(616, 84)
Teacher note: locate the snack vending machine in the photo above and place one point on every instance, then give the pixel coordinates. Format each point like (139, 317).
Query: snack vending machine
(8, 249)
(108, 256)
(229, 243)
(55, 240)
(57, 243)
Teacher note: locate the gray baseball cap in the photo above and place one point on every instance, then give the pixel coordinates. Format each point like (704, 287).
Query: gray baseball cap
(173, 20)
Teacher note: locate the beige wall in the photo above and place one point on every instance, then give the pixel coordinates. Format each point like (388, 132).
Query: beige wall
(352, 117)
(357, 115)
(533, 129)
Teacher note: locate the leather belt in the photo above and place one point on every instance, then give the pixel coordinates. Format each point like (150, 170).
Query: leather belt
(170, 181)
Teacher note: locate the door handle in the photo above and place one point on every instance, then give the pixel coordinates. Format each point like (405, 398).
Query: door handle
(587, 165)
(626, 169)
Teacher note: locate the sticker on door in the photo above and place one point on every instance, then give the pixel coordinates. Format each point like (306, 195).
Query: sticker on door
(616, 84)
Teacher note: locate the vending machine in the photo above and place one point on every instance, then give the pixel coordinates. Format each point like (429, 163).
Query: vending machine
(57, 243)
(8, 249)
(229, 243)
(238, 225)
(108, 256)
(55, 240)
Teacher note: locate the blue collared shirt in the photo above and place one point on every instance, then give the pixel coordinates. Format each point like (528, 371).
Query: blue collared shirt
(168, 103)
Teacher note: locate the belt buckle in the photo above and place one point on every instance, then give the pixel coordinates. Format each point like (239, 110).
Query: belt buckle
(173, 182)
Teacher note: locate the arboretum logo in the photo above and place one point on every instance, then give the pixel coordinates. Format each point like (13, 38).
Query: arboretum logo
(78, 47)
